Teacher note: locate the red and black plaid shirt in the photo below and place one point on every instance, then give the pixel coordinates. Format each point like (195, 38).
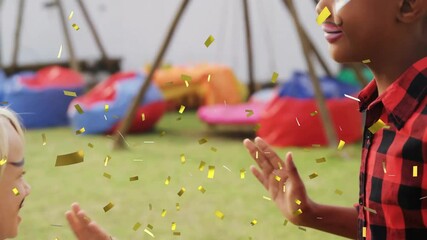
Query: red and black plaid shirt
(393, 172)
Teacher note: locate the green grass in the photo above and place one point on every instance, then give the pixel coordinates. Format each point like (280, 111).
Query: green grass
(55, 188)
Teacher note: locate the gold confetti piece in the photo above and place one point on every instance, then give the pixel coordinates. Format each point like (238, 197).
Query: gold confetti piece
(69, 159)
(351, 97)
(15, 191)
(324, 14)
(277, 178)
(321, 160)
(177, 233)
(108, 207)
(4, 103)
(209, 78)
(257, 127)
(71, 15)
(242, 173)
(266, 198)
(254, 222)
(150, 226)
(341, 145)
(3, 162)
(168, 180)
(143, 116)
(280, 165)
(150, 207)
(182, 191)
(302, 229)
(370, 210)
(173, 227)
(415, 171)
(136, 226)
(296, 119)
(366, 61)
(80, 131)
(377, 126)
(44, 139)
(75, 26)
(106, 108)
(202, 165)
(364, 232)
(149, 233)
(256, 155)
(106, 160)
(201, 189)
(177, 207)
(274, 77)
(298, 201)
(298, 212)
(211, 172)
(313, 175)
(90, 145)
(181, 109)
(314, 113)
(384, 166)
(179, 119)
(422, 198)
(107, 175)
(338, 192)
(285, 222)
(183, 158)
(284, 188)
(70, 93)
(226, 168)
(164, 212)
(59, 52)
(249, 112)
(209, 41)
(203, 141)
(134, 178)
(219, 214)
(213, 149)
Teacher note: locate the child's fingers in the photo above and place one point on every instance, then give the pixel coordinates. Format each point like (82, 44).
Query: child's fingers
(75, 207)
(258, 156)
(269, 153)
(83, 218)
(73, 222)
(98, 232)
(261, 178)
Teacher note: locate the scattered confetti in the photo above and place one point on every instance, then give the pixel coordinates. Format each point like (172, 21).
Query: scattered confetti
(201, 189)
(415, 171)
(257, 127)
(71, 15)
(3, 162)
(302, 229)
(296, 119)
(209, 41)
(228, 169)
(366, 61)
(106, 160)
(314, 113)
(313, 175)
(182, 191)
(274, 77)
(203, 141)
(256, 154)
(266, 198)
(150, 207)
(211, 172)
(177, 233)
(213, 149)
(377, 126)
(143, 116)
(108, 207)
(364, 232)
(4, 103)
(181, 109)
(136, 226)
(370, 210)
(209, 78)
(321, 160)
(324, 14)
(70, 93)
(249, 112)
(298, 201)
(183, 158)
(162, 133)
(15, 191)
(44, 139)
(177, 207)
(338, 192)
(422, 198)
(80, 131)
(351, 97)
(341, 145)
(277, 178)
(242, 173)
(149, 233)
(134, 178)
(106, 107)
(59, 52)
(164, 212)
(384, 166)
(90, 145)
(202, 166)
(298, 212)
(69, 159)
(254, 222)
(75, 26)
(107, 175)
(219, 214)
(285, 222)
(79, 109)
(168, 180)
(173, 227)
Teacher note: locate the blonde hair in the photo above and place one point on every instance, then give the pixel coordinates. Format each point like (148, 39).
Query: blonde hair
(4, 139)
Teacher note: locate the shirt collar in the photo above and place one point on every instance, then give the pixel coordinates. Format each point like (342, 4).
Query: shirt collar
(402, 97)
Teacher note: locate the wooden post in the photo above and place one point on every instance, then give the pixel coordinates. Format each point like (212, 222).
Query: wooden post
(18, 33)
(73, 62)
(93, 30)
(320, 99)
(252, 88)
(125, 124)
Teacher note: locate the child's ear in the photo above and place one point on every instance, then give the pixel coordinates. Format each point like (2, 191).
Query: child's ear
(411, 10)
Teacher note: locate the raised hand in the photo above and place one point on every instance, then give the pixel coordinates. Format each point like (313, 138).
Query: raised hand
(83, 227)
(282, 180)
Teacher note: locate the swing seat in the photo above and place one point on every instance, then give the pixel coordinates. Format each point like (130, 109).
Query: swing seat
(117, 92)
(39, 97)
